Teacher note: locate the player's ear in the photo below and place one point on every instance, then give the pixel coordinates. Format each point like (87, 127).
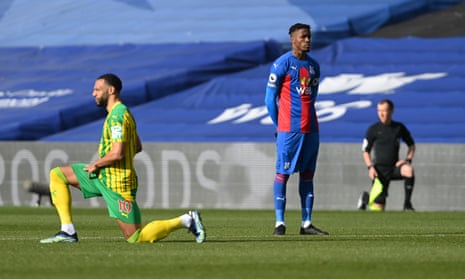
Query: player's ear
(111, 89)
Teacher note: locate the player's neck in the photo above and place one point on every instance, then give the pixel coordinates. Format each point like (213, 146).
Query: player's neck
(299, 54)
(111, 103)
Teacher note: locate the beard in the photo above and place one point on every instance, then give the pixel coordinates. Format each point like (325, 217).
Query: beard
(103, 101)
(102, 104)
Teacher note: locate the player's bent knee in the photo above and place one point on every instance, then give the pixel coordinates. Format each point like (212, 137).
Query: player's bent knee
(407, 171)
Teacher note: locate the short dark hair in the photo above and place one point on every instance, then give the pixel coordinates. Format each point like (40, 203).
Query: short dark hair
(112, 80)
(388, 102)
(298, 26)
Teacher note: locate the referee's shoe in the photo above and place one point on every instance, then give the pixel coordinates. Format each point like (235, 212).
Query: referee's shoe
(363, 201)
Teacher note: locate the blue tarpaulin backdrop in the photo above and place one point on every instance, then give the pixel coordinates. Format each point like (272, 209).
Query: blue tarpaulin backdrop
(197, 70)
(424, 77)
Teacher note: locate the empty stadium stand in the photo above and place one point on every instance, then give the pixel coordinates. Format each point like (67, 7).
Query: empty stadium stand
(200, 67)
(194, 76)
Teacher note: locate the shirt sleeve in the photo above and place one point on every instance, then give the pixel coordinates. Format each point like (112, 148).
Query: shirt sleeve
(368, 140)
(407, 136)
(272, 91)
(116, 125)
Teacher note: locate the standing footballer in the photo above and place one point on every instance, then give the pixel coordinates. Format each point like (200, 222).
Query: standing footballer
(290, 99)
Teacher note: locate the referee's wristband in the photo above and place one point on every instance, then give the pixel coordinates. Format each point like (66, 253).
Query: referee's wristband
(408, 160)
(369, 167)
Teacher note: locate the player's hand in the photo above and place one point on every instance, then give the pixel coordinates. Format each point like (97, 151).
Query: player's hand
(403, 162)
(92, 170)
(372, 173)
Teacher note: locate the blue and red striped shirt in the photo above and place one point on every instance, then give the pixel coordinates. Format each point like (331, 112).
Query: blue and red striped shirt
(291, 94)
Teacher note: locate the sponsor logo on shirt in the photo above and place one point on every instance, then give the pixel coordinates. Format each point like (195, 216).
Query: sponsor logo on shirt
(304, 78)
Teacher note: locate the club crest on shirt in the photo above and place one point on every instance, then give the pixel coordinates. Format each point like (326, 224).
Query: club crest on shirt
(311, 70)
(314, 81)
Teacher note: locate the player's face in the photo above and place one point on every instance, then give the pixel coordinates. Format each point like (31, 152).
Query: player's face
(101, 92)
(384, 113)
(301, 40)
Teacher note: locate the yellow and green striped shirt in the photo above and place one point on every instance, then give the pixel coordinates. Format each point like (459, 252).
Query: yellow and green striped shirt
(119, 126)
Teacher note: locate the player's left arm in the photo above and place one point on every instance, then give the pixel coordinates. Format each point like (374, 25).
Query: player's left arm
(138, 143)
(410, 153)
(408, 139)
(315, 82)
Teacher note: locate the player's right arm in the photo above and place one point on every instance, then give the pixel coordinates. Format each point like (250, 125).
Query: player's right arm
(273, 88)
(115, 154)
(366, 149)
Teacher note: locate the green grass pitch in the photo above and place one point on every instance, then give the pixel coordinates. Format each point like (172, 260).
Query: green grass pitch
(239, 244)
